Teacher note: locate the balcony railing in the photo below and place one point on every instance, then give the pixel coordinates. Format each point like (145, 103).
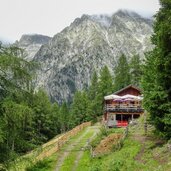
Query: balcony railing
(123, 108)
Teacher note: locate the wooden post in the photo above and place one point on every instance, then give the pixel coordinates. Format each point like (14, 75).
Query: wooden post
(145, 122)
(126, 131)
(145, 128)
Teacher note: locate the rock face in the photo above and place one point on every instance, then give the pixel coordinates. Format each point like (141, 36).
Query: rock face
(31, 44)
(89, 43)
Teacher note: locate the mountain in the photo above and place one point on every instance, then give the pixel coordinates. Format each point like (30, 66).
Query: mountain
(89, 43)
(31, 44)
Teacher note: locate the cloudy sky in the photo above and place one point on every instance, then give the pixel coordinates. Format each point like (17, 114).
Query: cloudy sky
(49, 17)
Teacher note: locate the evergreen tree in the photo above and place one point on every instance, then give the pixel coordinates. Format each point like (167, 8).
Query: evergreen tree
(105, 88)
(121, 73)
(135, 70)
(55, 120)
(105, 82)
(64, 117)
(17, 117)
(16, 73)
(81, 111)
(15, 108)
(157, 73)
(42, 110)
(95, 98)
(93, 89)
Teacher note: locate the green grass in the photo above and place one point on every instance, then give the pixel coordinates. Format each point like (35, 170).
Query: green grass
(69, 161)
(125, 158)
(84, 163)
(47, 164)
(155, 157)
(122, 160)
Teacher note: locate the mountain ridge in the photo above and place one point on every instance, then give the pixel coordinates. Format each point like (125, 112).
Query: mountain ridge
(89, 43)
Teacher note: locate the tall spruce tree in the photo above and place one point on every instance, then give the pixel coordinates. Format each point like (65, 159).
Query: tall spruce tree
(105, 82)
(80, 108)
(105, 88)
(121, 73)
(157, 73)
(93, 89)
(135, 70)
(64, 116)
(94, 97)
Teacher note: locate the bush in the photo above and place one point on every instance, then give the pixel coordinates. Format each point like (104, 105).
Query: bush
(116, 165)
(40, 165)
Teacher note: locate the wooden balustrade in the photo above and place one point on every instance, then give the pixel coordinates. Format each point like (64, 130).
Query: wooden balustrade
(54, 145)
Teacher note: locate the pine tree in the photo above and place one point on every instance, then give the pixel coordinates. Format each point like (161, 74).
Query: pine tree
(105, 82)
(81, 111)
(157, 73)
(54, 120)
(105, 88)
(135, 70)
(64, 116)
(93, 89)
(95, 98)
(121, 73)
(42, 109)
(16, 73)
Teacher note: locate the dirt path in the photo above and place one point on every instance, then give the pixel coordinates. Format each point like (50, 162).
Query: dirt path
(80, 153)
(142, 139)
(71, 146)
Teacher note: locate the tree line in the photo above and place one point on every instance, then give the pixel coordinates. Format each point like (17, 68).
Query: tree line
(156, 81)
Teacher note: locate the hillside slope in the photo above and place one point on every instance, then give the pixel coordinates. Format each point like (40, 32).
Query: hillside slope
(138, 152)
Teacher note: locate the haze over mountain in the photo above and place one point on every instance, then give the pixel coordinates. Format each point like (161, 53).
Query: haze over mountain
(89, 43)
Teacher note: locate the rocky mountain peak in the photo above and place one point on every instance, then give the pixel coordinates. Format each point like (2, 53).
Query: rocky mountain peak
(127, 13)
(88, 44)
(28, 39)
(31, 43)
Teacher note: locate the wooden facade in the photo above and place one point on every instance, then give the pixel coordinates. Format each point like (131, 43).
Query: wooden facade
(122, 106)
(132, 90)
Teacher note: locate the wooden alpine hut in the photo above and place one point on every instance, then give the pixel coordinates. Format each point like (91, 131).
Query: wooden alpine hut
(123, 106)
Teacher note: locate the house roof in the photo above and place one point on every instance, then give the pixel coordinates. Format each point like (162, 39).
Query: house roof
(129, 86)
(125, 97)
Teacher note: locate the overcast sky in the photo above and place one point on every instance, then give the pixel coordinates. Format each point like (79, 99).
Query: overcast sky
(49, 17)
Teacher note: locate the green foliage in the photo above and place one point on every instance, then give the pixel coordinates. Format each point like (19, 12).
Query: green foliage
(105, 82)
(27, 119)
(63, 118)
(80, 108)
(157, 73)
(93, 88)
(122, 76)
(135, 70)
(94, 96)
(16, 73)
(43, 165)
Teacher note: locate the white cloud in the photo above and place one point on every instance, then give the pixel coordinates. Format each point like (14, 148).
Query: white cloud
(48, 17)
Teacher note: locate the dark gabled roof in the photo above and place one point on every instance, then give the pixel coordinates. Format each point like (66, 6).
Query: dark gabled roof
(129, 86)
